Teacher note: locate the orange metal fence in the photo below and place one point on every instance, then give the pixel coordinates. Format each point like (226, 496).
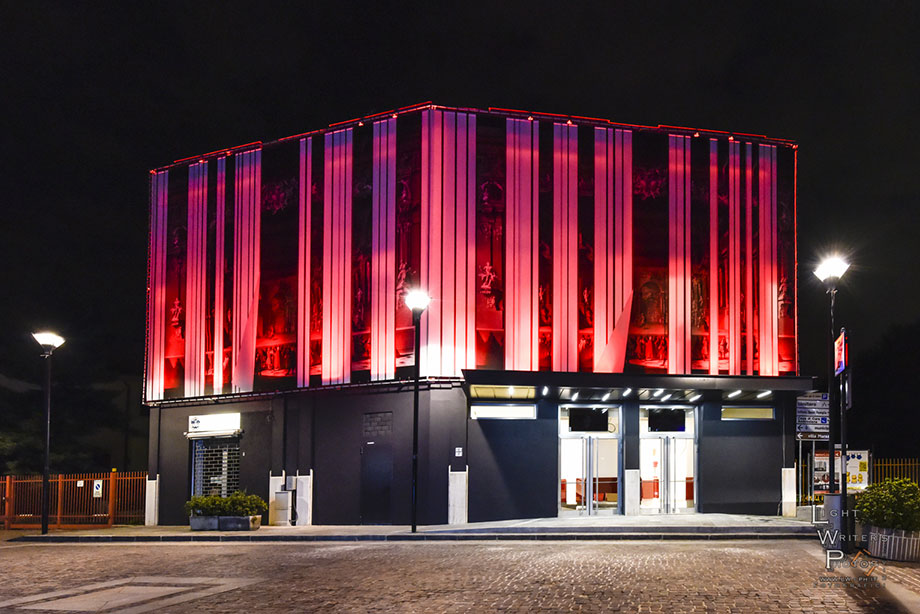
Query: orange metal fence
(896, 468)
(81, 500)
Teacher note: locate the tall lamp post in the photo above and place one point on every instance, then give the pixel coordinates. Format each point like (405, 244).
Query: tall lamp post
(49, 342)
(829, 272)
(417, 301)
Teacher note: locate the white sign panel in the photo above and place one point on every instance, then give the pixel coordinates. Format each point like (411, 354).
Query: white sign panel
(97, 489)
(214, 423)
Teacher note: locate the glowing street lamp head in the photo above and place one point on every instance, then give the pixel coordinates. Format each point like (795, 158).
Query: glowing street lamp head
(49, 341)
(831, 268)
(417, 300)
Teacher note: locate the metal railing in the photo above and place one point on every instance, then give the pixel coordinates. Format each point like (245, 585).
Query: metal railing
(895, 468)
(880, 470)
(79, 500)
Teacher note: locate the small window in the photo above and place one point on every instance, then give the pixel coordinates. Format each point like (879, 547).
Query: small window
(747, 413)
(503, 412)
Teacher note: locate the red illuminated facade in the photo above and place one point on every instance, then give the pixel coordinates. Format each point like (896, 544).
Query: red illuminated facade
(547, 243)
(612, 327)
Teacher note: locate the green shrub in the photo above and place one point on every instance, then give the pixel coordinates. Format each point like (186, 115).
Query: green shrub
(237, 504)
(892, 504)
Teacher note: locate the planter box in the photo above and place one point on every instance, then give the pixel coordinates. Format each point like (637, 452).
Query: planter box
(203, 523)
(239, 523)
(225, 523)
(894, 544)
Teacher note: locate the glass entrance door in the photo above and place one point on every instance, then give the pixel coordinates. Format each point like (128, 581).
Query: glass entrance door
(589, 474)
(666, 475)
(589, 460)
(667, 460)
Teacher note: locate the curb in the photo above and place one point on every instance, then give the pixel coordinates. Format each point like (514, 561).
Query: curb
(408, 537)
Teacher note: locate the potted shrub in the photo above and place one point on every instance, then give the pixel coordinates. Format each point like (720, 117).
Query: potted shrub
(892, 508)
(238, 512)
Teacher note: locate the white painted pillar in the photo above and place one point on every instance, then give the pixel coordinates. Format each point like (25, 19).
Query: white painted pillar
(789, 500)
(457, 496)
(275, 483)
(631, 492)
(303, 502)
(152, 502)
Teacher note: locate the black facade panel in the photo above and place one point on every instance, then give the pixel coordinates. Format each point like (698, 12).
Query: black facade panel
(630, 434)
(514, 467)
(446, 431)
(340, 436)
(739, 463)
(153, 444)
(256, 447)
(292, 419)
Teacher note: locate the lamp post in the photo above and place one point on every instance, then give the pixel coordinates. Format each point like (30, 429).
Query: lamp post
(417, 301)
(49, 342)
(829, 272)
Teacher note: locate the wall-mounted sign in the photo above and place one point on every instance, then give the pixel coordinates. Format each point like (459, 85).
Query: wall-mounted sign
(840, 352)
(213, 424)
(97, 489)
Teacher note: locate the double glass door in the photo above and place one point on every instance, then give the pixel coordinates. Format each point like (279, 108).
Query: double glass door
(589, 470)
(666, 468)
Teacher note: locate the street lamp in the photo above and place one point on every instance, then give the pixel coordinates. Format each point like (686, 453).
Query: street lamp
(829, 272)
(417, 301)
(49, 342)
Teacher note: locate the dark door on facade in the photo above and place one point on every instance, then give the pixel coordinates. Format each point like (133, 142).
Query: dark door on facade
(376, 483)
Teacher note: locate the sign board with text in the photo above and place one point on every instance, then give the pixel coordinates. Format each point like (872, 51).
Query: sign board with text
(812, 417)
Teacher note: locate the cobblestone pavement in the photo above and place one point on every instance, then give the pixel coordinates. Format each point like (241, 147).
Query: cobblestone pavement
(668, 576)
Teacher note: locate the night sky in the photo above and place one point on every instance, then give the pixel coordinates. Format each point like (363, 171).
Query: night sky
(96, 94)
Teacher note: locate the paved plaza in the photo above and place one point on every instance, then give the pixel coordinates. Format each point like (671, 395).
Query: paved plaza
(627, 576)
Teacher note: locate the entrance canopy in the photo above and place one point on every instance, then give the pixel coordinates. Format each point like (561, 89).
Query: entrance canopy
(487, 384)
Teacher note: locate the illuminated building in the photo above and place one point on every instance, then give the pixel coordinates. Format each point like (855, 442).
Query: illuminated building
(605, 288)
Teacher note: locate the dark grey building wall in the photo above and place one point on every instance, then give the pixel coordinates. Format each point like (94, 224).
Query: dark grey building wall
(739, 463)
(174, 453)
(514, 467)
(630, 434)
(335, 430)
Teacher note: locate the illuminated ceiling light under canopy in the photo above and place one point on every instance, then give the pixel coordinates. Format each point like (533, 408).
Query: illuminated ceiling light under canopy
(510, 391)
(666, 397)
(831, 268)
(575, 397)
(695, 398)
(732, 395)
(627, 392)
(545, 390)
(658, 392)
(417, 300)
(606, 396)
(765, 393)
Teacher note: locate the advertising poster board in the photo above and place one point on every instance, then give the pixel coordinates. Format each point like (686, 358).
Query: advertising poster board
(857, 470)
